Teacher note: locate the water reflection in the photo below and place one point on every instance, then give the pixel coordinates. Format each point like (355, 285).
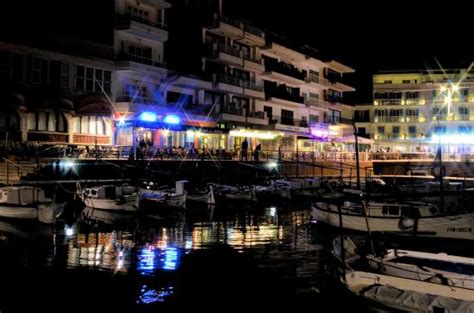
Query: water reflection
(154, 251)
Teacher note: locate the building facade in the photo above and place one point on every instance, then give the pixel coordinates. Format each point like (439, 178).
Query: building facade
(415, 111)
(211, 82)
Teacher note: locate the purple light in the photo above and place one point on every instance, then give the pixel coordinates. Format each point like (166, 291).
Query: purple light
(319, 132)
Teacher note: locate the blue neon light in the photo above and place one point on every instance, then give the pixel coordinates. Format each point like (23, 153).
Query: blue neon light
(172, 119)
(148, 117)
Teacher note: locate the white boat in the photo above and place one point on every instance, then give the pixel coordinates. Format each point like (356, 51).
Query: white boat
(409, 294)
(28, 203)
(206, 197)
(110, 198)
(409, 218)
(107, 216)
(435, 267)
(158, 198)
(227, 192)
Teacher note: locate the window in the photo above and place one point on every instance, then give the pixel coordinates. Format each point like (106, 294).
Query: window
(35, 70)
(136, 94)
(9, 120)
(243, 103)
(179, 98)
(313, 118)
(213, 98)
(88, 78)
(286, 117)
(412, 95)
(362, 131)
(141, 54)
(380, 129)
(138, 12)
(412, 131)
(313, 76)
(463, 111)
(93, 125)
(269, 111)
(396, 132)
(387, 81)
(412, 112)
(47, 121)
(405, 81)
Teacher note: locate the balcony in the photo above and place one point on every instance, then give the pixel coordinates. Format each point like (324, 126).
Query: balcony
(283, 97)
(141, 27)
(253, 63)
(332, 76)
(285, 72)
(232, 113)
(238, 85)
(138, 63)
(238, 30)
(399, 136)
(316, 103)
(338, 120)
(332, 98)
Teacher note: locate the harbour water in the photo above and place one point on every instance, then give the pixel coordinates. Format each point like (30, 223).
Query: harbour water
(252, 255)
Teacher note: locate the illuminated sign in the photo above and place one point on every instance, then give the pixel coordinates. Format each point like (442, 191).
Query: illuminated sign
(148, 117)
(172, 119)
(255, 134)
(319, 131)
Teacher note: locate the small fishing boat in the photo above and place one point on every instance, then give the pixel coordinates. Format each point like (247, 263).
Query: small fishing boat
(28, 203)
(110, 198)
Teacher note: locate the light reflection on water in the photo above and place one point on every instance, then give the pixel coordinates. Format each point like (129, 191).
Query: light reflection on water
(155, 250)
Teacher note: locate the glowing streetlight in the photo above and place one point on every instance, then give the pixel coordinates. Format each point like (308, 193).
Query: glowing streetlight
(448, 92)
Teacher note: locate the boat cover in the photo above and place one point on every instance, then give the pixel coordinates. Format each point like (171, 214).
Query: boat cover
(415, 301)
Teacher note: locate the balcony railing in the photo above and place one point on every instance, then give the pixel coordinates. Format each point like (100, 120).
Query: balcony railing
(252, 59)
(228, 109)
(231, 50)
(245, 27)
(286, 120)
(271, 65)
(332, 76)
(259, 115)
(123, 20)
(282, 94)
(338, 120)
(252, 85)
(332, 99)
(253, 30)
(318, 103)
(140, 59)
(312, 79)
(399, 136)
(238, 82)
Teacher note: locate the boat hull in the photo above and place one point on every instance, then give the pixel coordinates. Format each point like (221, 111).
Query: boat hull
(458, 226)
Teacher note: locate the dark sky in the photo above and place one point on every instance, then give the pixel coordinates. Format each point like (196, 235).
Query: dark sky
(369, 36)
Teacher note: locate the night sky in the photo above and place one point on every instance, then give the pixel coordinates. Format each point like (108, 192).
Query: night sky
(391, 35)
(370, 37)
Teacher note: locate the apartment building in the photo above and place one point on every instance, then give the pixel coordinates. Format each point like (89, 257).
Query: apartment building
(413, 111)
